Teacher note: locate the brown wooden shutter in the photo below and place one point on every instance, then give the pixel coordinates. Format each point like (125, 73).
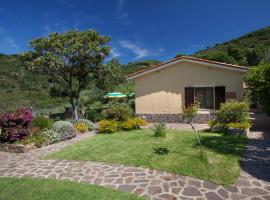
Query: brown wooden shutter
(219, 96)
(189, 96)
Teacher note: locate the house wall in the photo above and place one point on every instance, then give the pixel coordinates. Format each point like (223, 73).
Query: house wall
(162, 92)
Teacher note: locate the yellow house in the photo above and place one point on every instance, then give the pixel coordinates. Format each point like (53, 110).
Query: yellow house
(163, 90)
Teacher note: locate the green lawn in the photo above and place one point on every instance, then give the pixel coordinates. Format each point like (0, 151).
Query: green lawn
(136, 148)
(36, 189)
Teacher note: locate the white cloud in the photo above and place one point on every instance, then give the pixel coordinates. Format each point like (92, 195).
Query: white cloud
(115, 53)
(120, 13)
(138, 51)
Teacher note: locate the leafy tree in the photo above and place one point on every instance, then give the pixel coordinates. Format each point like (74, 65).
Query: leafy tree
(109, 75)
(255, 56)
(258, 81)
(72, 60)
(219, 56)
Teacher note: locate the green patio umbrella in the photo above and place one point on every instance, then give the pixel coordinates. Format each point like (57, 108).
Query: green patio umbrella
(131, 95)
(115, 95)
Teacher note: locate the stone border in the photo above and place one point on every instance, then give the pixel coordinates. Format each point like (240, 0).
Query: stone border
(175, 118)
(17, 148)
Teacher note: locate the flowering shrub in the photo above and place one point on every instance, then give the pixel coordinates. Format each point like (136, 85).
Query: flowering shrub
(64, 129)
(81, 127)
(232, 114)
(133, 123)
(108, 126)
(241, 126)
(14, 125)
(90, 125)
(50, 136)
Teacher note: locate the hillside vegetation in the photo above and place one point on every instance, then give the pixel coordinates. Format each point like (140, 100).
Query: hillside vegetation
(20, 88)
(248, 50)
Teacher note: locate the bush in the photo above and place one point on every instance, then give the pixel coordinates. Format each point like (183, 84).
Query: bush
(231, 112)
(237, 125)
(118, 112)
(81, 127)
(38, 139)
(42, 122)
(64, 129)
(15, 125)
(50, 136)
(90, 125)
(159, 130)
(108, 126)
(133, 123)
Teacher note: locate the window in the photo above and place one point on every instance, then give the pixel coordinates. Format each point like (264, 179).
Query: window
(206, 97)
(209, 97)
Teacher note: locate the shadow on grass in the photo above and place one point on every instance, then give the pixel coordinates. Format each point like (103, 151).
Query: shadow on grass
(224, 144)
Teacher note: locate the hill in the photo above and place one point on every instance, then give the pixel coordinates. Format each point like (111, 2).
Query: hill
(20, 88)
(139, 65)
(248, 50)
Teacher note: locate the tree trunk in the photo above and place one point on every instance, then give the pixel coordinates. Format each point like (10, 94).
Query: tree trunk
(74, 104)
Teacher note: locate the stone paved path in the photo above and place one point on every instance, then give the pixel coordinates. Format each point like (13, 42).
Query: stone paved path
(151, 184)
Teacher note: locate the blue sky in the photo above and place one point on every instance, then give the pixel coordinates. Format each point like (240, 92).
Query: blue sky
(140, 29)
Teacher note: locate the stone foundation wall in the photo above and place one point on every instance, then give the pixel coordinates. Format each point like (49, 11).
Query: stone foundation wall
(16, 148)
(175, 118)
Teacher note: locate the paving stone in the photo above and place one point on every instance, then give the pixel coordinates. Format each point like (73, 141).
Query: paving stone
(191, 191)
(213, 196)
(166, 187)
(167, 197)
(232, 189)
(238, 196)
(223, 193)
(139, 191)
(253, 191)
(194, 183)
(209, 185)
(243, 182)
(154, 190)
(127, 188)
(266, 197)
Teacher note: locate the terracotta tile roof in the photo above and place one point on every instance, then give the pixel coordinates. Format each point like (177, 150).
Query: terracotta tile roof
(187, 58)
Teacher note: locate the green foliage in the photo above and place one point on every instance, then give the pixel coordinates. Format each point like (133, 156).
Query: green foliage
(191, 111)
(72, 60)
(159, 130)
(110, 75)
(132, 123)
(64, 129)
(21, 88)
(233, 111)
(179, 55)
(250, 49)
(258, 81)
(118, 112)
(108, 126)
(42, 122)
(140, 65)
(50, 136)
(90, 125)
(38, 139)
(239, 125)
